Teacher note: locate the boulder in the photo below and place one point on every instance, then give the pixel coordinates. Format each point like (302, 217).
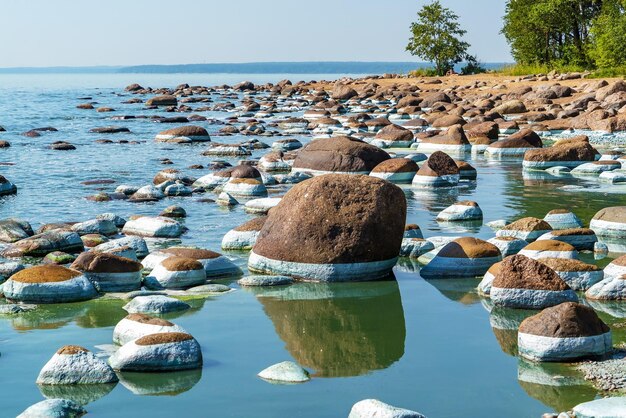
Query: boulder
(610, 222)
(465, 210)
(41, 244)
(439, 170)
(373, 408)
(548, 248)
(565, 332)
(12, 230)
(176, 273)
(567, 153)
(215, 264)
(354, 233)
(162, 352)
(396, 170)
(155, 304)
(48, 283)
(582, 239)
(244, 236)
(611, 288)
(184, 134)
(154, 227)
(338, 155)
(463, 257)
(514, 145)
(453, 140)
(508, 245)
(109, 272)
(393, 136)
(54, 408)
(524, 283)
(528, 229)
(577, 274)
(138, 325)
(562, 219)
(75, 365)
(6, 187)
(285, 372)
(164, 100)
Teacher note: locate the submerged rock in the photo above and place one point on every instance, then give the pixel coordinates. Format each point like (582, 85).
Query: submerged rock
(285, 372)
(373, 408)
(54, 408)
(156, 304)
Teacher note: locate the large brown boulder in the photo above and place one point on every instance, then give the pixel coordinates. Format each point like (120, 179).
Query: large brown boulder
(343, 92)
(98, 262)
(572, 150)
(438, 164)
(567, 320)
(521, 272)
(341, 154)
(333, 228)
(394, 133)
(165, 100)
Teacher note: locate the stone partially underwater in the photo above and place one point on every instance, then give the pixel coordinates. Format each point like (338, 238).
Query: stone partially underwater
(354, 233)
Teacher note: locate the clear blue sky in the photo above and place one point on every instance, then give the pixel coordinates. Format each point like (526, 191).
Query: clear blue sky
(129, 32)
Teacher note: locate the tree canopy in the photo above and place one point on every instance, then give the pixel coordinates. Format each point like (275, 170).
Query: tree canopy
(585, 33)
(436, 37)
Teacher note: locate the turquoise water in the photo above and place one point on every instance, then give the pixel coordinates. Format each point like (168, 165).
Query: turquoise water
(427, 346)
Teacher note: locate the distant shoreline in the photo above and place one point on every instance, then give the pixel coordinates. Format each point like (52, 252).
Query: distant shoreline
(322, 67)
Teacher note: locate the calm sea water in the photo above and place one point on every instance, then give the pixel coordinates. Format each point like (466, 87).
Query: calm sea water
(423, 345)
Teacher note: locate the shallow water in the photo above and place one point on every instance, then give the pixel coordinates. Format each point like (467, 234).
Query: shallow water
(427, 346)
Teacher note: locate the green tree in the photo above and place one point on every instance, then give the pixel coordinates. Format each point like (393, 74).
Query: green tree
(436, 37)
(608, 34)
(550, 31)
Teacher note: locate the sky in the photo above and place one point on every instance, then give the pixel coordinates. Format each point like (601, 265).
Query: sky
(42, 33)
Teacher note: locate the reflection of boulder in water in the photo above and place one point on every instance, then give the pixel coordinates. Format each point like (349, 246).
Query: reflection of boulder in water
(555, 385)
(458, 290)
(81, 394)
(434, 199)
(507, 338)
(339, 329)
(160, 384)
(408, 265)
(615, 245)
(460, 227)
(614, 308)
(101, 313)
(51, 316)
(504, 324)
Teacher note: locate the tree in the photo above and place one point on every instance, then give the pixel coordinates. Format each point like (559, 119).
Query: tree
(436, 37)
(608, 34)
(550, 31)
